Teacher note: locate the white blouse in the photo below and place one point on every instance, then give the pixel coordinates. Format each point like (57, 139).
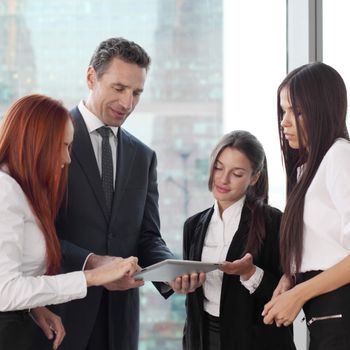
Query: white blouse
(216, 245)
(22, 257)
(327, 211)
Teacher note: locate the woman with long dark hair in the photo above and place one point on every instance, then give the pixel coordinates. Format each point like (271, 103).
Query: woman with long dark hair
(241, 229)
(35, 138)
(315, 229)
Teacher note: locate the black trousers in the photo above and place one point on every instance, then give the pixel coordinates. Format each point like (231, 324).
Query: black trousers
(211, 332)
(328, 317)
(98, 340)
(99, 336)
(15, 330)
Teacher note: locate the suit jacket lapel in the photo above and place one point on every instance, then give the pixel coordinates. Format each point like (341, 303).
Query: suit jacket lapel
(84, 154)
(125, 160)
(235, 250)
(240, 238)
(237, 244)
(199, 235)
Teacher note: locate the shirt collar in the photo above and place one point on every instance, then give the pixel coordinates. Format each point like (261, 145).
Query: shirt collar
(230, 212)
(92, 121)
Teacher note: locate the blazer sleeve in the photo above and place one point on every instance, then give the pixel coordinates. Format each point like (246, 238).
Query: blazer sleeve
(269, 259)
(73, 256)
(19, 290)
(186, 240)
(151, 246)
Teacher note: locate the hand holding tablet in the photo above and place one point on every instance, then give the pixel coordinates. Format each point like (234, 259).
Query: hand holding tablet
(167, 270)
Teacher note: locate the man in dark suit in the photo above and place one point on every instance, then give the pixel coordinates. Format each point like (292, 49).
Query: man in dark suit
(111, 207)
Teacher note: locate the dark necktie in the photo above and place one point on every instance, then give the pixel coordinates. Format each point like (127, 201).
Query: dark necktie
(107, 166)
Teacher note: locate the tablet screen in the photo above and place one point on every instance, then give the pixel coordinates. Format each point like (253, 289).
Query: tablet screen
(167, 270)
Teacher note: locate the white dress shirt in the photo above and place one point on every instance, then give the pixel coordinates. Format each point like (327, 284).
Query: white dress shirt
(327, 211)
(216, 245)
(93, 123)
(22, 257)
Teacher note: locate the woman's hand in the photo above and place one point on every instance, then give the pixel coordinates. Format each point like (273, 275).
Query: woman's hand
(50, 324)
(112, 271)
(285, 307)
(243, 267)
(284, 284)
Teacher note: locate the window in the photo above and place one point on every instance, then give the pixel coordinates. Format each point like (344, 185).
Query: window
(254, 66)
(46, 46)
(216, 65)
(336, 52)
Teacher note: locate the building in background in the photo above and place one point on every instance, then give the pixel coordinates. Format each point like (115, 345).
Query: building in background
(186, 90)
(45, 47)
(17, 64)
(187, 84)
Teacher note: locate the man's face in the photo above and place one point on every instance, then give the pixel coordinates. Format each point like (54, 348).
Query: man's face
(115, 94)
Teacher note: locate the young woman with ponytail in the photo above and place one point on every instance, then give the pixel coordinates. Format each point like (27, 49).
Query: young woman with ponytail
(315, 229)
(242, 230)
(35, 138)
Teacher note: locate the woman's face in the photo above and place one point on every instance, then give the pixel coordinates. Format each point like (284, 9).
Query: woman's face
(288, 123)
(232, 174)
(66, 144)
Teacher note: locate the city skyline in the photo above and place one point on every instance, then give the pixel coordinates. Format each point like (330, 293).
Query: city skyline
(180, 113)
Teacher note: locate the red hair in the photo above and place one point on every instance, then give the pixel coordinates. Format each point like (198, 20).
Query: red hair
(31, 138)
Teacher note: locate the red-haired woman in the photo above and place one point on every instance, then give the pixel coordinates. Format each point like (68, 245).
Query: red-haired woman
(35, 139)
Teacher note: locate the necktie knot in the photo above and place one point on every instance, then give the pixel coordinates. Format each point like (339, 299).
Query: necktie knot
(104, 131)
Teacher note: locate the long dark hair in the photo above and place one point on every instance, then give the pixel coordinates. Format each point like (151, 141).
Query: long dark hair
(318, 92)
(256, 195)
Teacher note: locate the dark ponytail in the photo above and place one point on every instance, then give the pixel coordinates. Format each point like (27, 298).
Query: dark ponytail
(257, 198)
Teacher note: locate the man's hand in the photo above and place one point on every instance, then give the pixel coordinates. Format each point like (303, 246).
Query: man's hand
(187, 283)
(124, 283)
(50, 324)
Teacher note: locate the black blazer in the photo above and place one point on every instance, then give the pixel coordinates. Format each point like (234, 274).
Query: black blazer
(241, 323)
(133, 229)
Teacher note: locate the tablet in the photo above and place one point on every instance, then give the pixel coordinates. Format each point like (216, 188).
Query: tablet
(167, 270)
